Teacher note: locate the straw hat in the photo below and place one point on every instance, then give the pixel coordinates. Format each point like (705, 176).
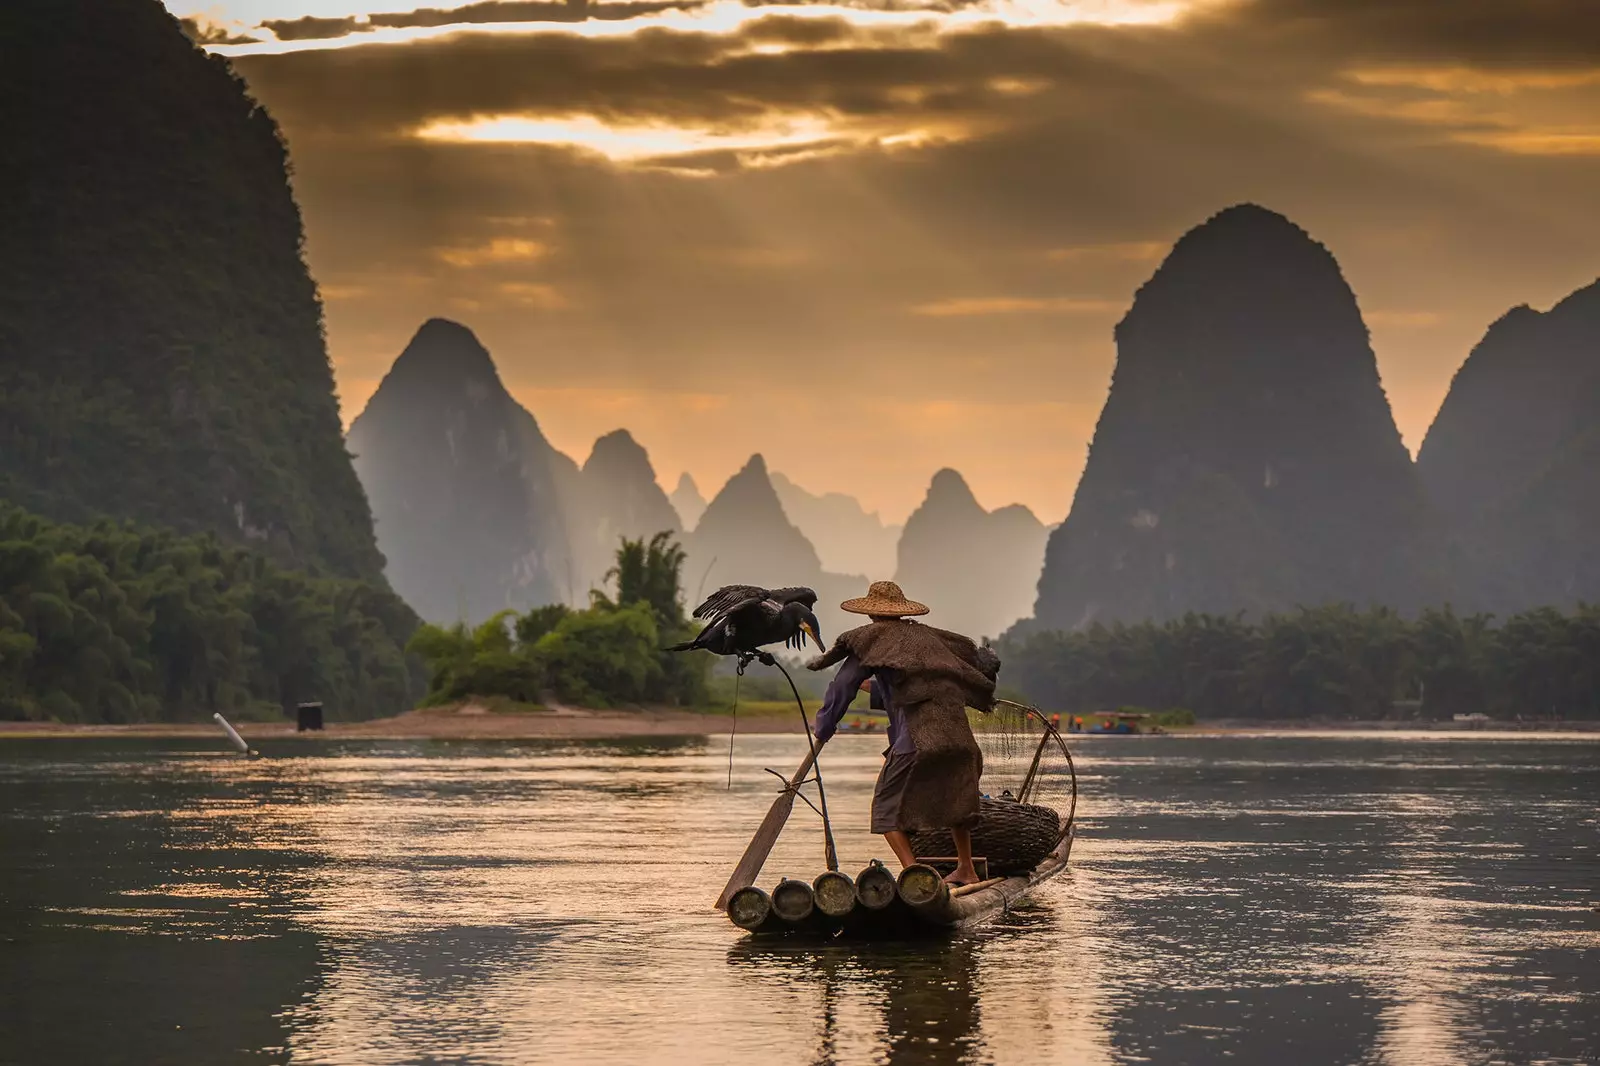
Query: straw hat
(885, 600)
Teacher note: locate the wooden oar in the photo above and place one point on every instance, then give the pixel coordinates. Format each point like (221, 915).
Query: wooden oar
(744, 875)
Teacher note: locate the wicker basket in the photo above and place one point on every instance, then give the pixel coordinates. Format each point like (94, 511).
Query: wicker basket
(1013, 836)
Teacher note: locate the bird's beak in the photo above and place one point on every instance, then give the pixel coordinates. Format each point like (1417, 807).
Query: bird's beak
(812, 633)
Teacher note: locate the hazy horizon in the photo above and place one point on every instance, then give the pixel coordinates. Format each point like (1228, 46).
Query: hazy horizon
(871, 243)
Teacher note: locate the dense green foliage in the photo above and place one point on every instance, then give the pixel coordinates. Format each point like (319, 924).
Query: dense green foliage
(161, 347)
(111, 623)
(606, 655)
(1329, 662)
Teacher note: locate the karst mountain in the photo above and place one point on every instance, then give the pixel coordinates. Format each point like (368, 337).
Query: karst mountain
(1513, 460)
(745, 537)
(849, 539)
(465, 488)
(161, 347)
(977, 570)
(614, 496)
(687, 501)
(1246, 458)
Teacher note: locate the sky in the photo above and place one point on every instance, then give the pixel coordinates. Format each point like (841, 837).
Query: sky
(875, 238)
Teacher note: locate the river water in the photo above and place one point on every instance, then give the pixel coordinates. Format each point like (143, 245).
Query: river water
(1304, 900)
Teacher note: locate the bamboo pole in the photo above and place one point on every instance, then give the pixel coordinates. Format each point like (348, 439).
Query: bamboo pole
(976, 886)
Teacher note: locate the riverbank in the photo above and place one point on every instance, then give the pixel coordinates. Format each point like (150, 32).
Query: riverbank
(468, 721)
(491, 720)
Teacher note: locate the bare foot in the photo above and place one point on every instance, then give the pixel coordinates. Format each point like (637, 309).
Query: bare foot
(962, 875)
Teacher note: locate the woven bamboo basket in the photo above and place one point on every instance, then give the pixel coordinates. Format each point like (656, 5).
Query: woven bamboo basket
(1014, 837)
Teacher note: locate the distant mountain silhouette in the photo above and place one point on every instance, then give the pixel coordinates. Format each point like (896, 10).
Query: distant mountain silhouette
(1246, 458)
(977, 570)
(161, 348)
(745, 537)
(466, 489)
(687, 501)
(616, 495)
(1512, 458)
(848, 537)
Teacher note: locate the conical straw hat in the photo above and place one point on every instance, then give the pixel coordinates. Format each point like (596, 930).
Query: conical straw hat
(884, 599)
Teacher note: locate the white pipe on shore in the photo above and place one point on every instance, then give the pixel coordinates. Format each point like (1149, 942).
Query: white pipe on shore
(238, 741)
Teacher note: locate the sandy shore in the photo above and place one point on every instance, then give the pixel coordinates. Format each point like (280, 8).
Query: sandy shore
(469, 721)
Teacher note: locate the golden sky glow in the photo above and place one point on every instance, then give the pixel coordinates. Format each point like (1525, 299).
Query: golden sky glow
(906, 227)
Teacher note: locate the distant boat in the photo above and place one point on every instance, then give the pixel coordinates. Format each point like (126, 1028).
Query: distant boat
(1118, 723)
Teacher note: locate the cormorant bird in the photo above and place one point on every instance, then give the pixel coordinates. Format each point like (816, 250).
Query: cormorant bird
(742, 618)
(729, 596)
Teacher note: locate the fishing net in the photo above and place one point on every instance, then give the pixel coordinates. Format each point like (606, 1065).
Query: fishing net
(1025, 758)
(1030, 791)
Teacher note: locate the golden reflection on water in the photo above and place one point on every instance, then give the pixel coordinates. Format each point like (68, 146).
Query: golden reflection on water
(1399, 904)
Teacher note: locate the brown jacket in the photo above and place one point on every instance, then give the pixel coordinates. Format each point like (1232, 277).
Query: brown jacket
(935, 675)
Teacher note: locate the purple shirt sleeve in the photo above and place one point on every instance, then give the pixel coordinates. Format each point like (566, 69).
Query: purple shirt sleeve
(841, 692)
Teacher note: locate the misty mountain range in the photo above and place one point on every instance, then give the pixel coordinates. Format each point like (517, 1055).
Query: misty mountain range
(1246, 460)
(477, 512)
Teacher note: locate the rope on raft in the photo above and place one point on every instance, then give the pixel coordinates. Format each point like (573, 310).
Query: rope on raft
(767, 659)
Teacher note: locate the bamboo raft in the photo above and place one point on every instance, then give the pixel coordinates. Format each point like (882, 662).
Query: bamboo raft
(876, 904)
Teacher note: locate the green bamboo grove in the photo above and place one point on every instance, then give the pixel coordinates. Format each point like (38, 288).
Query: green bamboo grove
(1328, 662)
(116, 623)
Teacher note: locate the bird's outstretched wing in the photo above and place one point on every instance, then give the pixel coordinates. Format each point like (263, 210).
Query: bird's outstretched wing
(794, 594)
(725, 598)
(730, 597)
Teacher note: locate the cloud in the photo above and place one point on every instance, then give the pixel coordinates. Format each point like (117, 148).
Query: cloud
(511, 11)
(207, 33)
(781, 207)
(537, 295)
(495, 250)
(312, 28)
(1014, 305)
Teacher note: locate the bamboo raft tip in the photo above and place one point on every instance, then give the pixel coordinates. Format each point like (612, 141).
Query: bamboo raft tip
(879, 904)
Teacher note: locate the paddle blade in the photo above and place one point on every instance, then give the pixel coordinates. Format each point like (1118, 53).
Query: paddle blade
(755, 855)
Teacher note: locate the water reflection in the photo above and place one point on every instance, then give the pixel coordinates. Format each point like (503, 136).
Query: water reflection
(1351, 900)
(900, 1004)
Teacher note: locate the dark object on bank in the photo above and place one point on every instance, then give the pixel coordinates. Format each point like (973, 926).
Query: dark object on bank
(308, 716)
(745, 625)
(1013, 836)
(730, 598)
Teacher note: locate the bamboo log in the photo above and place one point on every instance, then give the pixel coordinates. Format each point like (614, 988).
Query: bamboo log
(793, 900)
(835, 893)
(875, 887)
(749, 908)
(921, 886)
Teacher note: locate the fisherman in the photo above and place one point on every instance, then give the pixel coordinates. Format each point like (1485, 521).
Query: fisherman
(923, 678)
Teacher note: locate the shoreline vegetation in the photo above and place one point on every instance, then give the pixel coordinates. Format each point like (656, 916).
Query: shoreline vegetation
(473, 720)
(137, 632)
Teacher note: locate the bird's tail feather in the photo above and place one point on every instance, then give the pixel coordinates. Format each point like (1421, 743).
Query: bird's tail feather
(687, 645)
